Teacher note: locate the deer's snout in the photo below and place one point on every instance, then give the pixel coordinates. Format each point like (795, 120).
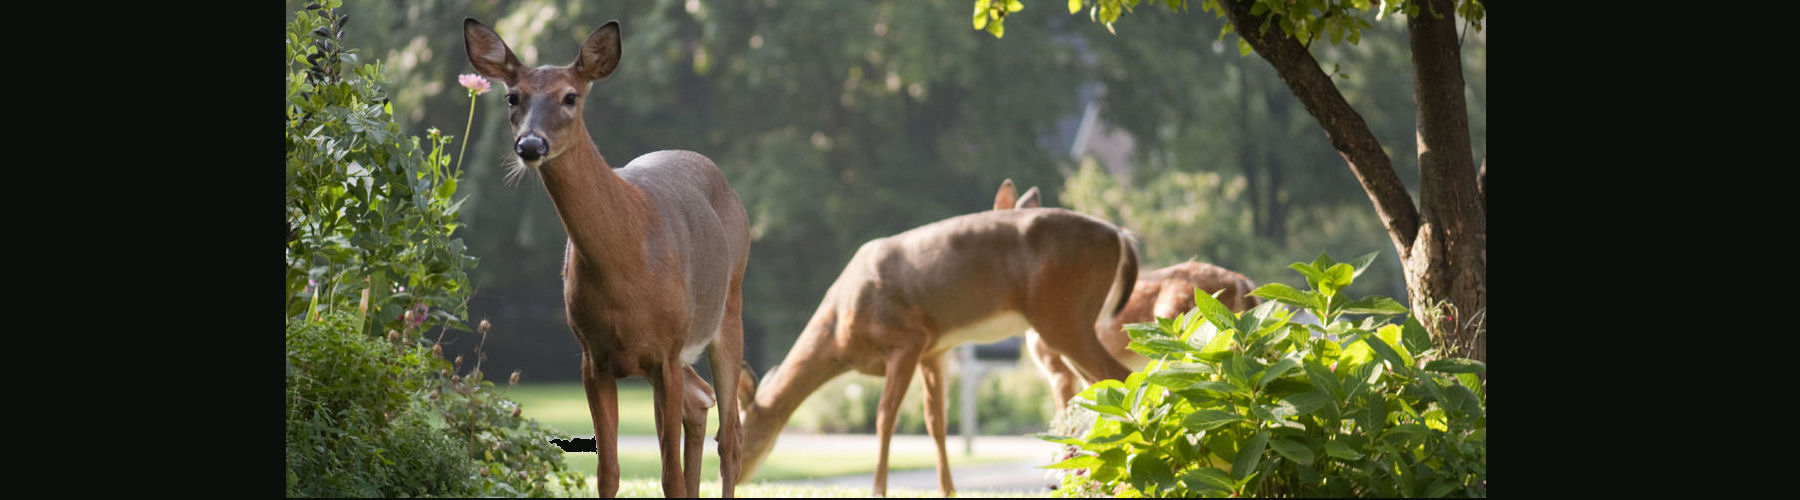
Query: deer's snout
(531, 147)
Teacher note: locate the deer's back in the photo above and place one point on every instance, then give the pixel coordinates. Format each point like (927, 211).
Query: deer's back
(961, 270)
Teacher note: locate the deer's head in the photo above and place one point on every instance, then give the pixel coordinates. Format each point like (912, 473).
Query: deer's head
(544, 103)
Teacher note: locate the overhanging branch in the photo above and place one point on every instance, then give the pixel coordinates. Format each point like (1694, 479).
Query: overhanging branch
(1343, 125)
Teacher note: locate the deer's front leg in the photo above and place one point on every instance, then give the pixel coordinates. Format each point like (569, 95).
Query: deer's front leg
(603, 404)
(667, 385)
(937, 422)
(899, 372)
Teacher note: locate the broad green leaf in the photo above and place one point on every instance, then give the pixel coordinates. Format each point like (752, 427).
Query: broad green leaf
(1106, 410)
(1340, 450)
(1223, 388)
(1141, 331)
(1293, 450)
(1275, 413)
(1404, 435)
(1179, 376)
(1413, 334)
(1323, 379)
(1157, 348)
(1391, 335)
(1242, 370)
(1264, 318)
(1356, 353)
(1358, 379)
(1217, 349)
(1057, 439)
(1333, 279)
(1361, 264)
(1313, 274)
(1208, 478)
(1014, 6)
(1441, 487)
(1306, 403)
(1472, 382)
(1205, 420)
(1278, 369)
(1388, 353)
(1436, 420)
(1214, 311)
(1134, 383)
(1249, 455)
(1112, 463)
(1462, 400)
(1076, 462)
(1132, 437)
(1323, 262)
(1373, 415)
(1090, 393)
(1374, 305)
(1456, 365)
(1288, 295)
(1149, 470)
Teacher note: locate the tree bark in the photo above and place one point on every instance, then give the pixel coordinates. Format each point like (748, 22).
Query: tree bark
(1343, 126)
(1443, 243)
(1449, 197)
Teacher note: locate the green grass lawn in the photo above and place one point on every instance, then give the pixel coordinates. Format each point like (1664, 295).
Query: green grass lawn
(563, 407)
(651, 488)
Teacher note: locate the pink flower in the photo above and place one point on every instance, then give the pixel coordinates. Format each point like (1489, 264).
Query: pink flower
(475, 83)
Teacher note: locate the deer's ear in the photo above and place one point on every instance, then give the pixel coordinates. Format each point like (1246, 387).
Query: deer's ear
(600, 54)
(1030, 199)
(1005, 197)
(488, 53)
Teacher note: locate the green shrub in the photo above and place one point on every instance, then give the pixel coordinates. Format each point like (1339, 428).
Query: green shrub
(372, 408)
(353, 427)
(369, 213)
(1265, 407)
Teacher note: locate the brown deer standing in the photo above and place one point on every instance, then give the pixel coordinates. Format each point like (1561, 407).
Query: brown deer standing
(905, 300)
(654, 266)
(1162, 293)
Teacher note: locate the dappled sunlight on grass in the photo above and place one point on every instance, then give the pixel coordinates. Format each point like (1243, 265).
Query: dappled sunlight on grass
(779, 466)
(562, 406)
(652, 488)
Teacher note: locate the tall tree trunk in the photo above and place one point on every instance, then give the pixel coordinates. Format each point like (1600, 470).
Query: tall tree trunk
(1443, 252)
(1246, 156)
(1448, 260)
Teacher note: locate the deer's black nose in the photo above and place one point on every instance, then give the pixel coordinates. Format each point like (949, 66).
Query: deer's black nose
(531, 147)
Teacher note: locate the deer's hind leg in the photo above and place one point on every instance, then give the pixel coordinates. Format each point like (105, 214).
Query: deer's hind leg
(698, 397)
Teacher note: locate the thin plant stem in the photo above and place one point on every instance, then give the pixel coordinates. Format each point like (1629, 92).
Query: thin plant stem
(466, 127)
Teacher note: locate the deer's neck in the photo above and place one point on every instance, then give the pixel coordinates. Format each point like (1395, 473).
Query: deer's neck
(605, 217)
(813, 361)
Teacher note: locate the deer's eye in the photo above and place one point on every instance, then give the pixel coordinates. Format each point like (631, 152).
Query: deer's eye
(569, 100)
(512, 100)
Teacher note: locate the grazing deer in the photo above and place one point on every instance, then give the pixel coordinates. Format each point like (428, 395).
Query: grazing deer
(1162, 293)
(905, 300)
(654, 268)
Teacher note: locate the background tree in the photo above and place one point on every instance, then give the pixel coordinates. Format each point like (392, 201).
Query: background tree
(1442, 240)
(839, 122)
